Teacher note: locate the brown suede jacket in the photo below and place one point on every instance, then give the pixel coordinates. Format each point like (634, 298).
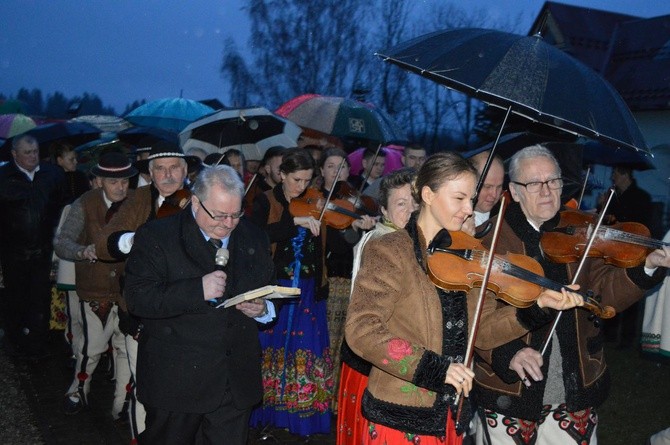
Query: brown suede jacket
(396, 322)
(585, 374)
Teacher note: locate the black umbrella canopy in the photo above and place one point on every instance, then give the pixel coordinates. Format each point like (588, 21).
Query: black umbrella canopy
(525, 74)
(75, 133)
(147, 135)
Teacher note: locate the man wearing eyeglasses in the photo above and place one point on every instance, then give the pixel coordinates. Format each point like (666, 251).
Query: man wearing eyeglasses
(527, 397)
(199, 369)
(168, 166)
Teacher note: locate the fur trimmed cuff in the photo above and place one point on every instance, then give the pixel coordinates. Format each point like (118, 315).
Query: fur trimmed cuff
(431, 372)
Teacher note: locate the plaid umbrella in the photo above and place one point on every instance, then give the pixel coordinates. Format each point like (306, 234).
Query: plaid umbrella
(343, 118)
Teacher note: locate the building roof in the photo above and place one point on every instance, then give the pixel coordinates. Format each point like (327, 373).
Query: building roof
(632, 53)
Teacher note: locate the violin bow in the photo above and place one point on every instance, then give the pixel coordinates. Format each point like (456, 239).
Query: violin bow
(469, 351)
(581, 194)
(251, 181)
(332, 189)
(367, 175)
(592, 238)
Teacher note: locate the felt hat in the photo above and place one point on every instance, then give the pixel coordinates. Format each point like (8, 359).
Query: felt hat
(114, 165)
(166, 149)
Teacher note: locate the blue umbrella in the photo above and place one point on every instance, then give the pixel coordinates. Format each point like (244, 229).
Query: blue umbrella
(169, 114)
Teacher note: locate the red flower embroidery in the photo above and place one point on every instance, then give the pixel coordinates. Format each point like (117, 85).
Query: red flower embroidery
(398, 349)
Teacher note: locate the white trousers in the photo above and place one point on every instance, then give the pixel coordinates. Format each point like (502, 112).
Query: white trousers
(558, 427)
(90, 339)
(661, 438)
(136, 411)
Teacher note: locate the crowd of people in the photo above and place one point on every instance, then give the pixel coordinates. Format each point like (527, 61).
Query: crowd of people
(376, 346)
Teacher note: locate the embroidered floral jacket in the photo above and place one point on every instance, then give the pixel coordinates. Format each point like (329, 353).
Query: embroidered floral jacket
(397, 320)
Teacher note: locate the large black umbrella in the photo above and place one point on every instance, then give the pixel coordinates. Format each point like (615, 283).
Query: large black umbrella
(525, 76)
(146, 136)
(75, 133)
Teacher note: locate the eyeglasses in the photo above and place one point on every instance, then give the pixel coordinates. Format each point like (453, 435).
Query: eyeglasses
(536, 186)
(223, 216)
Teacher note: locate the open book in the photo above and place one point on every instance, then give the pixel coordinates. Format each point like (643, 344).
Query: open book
(270, 291)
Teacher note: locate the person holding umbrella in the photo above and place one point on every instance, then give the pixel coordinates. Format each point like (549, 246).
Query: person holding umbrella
(525, 397)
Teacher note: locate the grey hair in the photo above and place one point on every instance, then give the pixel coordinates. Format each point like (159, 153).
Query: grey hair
(532, 151)
(183, 161)
(26, 138)
(222, 175)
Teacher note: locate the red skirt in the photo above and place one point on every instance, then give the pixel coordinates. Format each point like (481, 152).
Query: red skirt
(376, 434)
(351, 426)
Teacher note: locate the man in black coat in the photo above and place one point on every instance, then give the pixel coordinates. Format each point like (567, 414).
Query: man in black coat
(32, 195)
(199, 367)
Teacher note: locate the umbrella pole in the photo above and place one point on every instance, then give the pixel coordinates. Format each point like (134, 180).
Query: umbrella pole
(485, 170)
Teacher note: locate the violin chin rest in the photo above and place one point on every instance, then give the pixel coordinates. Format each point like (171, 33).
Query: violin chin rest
(441, 241)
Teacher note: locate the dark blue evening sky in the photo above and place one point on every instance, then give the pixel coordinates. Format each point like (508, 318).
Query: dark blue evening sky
(125, 50)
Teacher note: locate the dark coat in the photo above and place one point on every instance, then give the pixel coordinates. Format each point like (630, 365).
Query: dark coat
(189, 351)
(29, 211)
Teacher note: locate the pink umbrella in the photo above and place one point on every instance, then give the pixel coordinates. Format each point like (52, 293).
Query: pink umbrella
(13, 124)
(393, 159)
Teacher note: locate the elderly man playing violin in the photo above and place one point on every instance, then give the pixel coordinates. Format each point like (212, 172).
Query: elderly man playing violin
(524, 396)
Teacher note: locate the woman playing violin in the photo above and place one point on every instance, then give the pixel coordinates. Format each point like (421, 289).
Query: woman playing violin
(297, 369)
(415, 334)
(552, 399)
(339, 253)
(397, 205)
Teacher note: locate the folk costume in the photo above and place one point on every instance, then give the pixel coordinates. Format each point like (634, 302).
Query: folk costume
(93, 308)
(355, 370)
(576, 376)
(297, 368)
(411, 331)
(655, 339)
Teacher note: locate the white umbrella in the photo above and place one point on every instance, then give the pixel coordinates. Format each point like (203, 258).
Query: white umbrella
(249, 130)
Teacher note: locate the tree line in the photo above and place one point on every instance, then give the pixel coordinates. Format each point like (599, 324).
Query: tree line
(59, 106)
(301, 46)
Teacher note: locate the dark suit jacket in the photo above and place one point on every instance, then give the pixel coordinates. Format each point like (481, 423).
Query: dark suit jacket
(188, 350)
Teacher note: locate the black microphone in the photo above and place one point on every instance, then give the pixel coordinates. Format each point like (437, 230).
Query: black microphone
(220, 259)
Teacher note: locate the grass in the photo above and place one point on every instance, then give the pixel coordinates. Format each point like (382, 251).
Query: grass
(638, 403)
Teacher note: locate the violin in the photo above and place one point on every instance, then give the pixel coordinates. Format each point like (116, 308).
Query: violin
(174, 203)
(516, 279)
(339, 213)
(622, 244)
(363, 204)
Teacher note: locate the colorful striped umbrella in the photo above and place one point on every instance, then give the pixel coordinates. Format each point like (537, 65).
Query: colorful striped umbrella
(13, 124)
(342, 117)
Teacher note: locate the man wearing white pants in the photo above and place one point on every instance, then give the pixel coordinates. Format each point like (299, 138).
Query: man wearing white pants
(94, 307)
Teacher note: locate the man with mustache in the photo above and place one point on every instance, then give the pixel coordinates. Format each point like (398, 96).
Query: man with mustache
(167, 167)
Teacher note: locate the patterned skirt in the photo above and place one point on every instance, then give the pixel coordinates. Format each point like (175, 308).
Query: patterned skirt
(297, 368)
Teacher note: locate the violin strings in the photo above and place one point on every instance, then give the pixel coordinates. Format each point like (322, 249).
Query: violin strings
(631, 238)
(517, 271)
